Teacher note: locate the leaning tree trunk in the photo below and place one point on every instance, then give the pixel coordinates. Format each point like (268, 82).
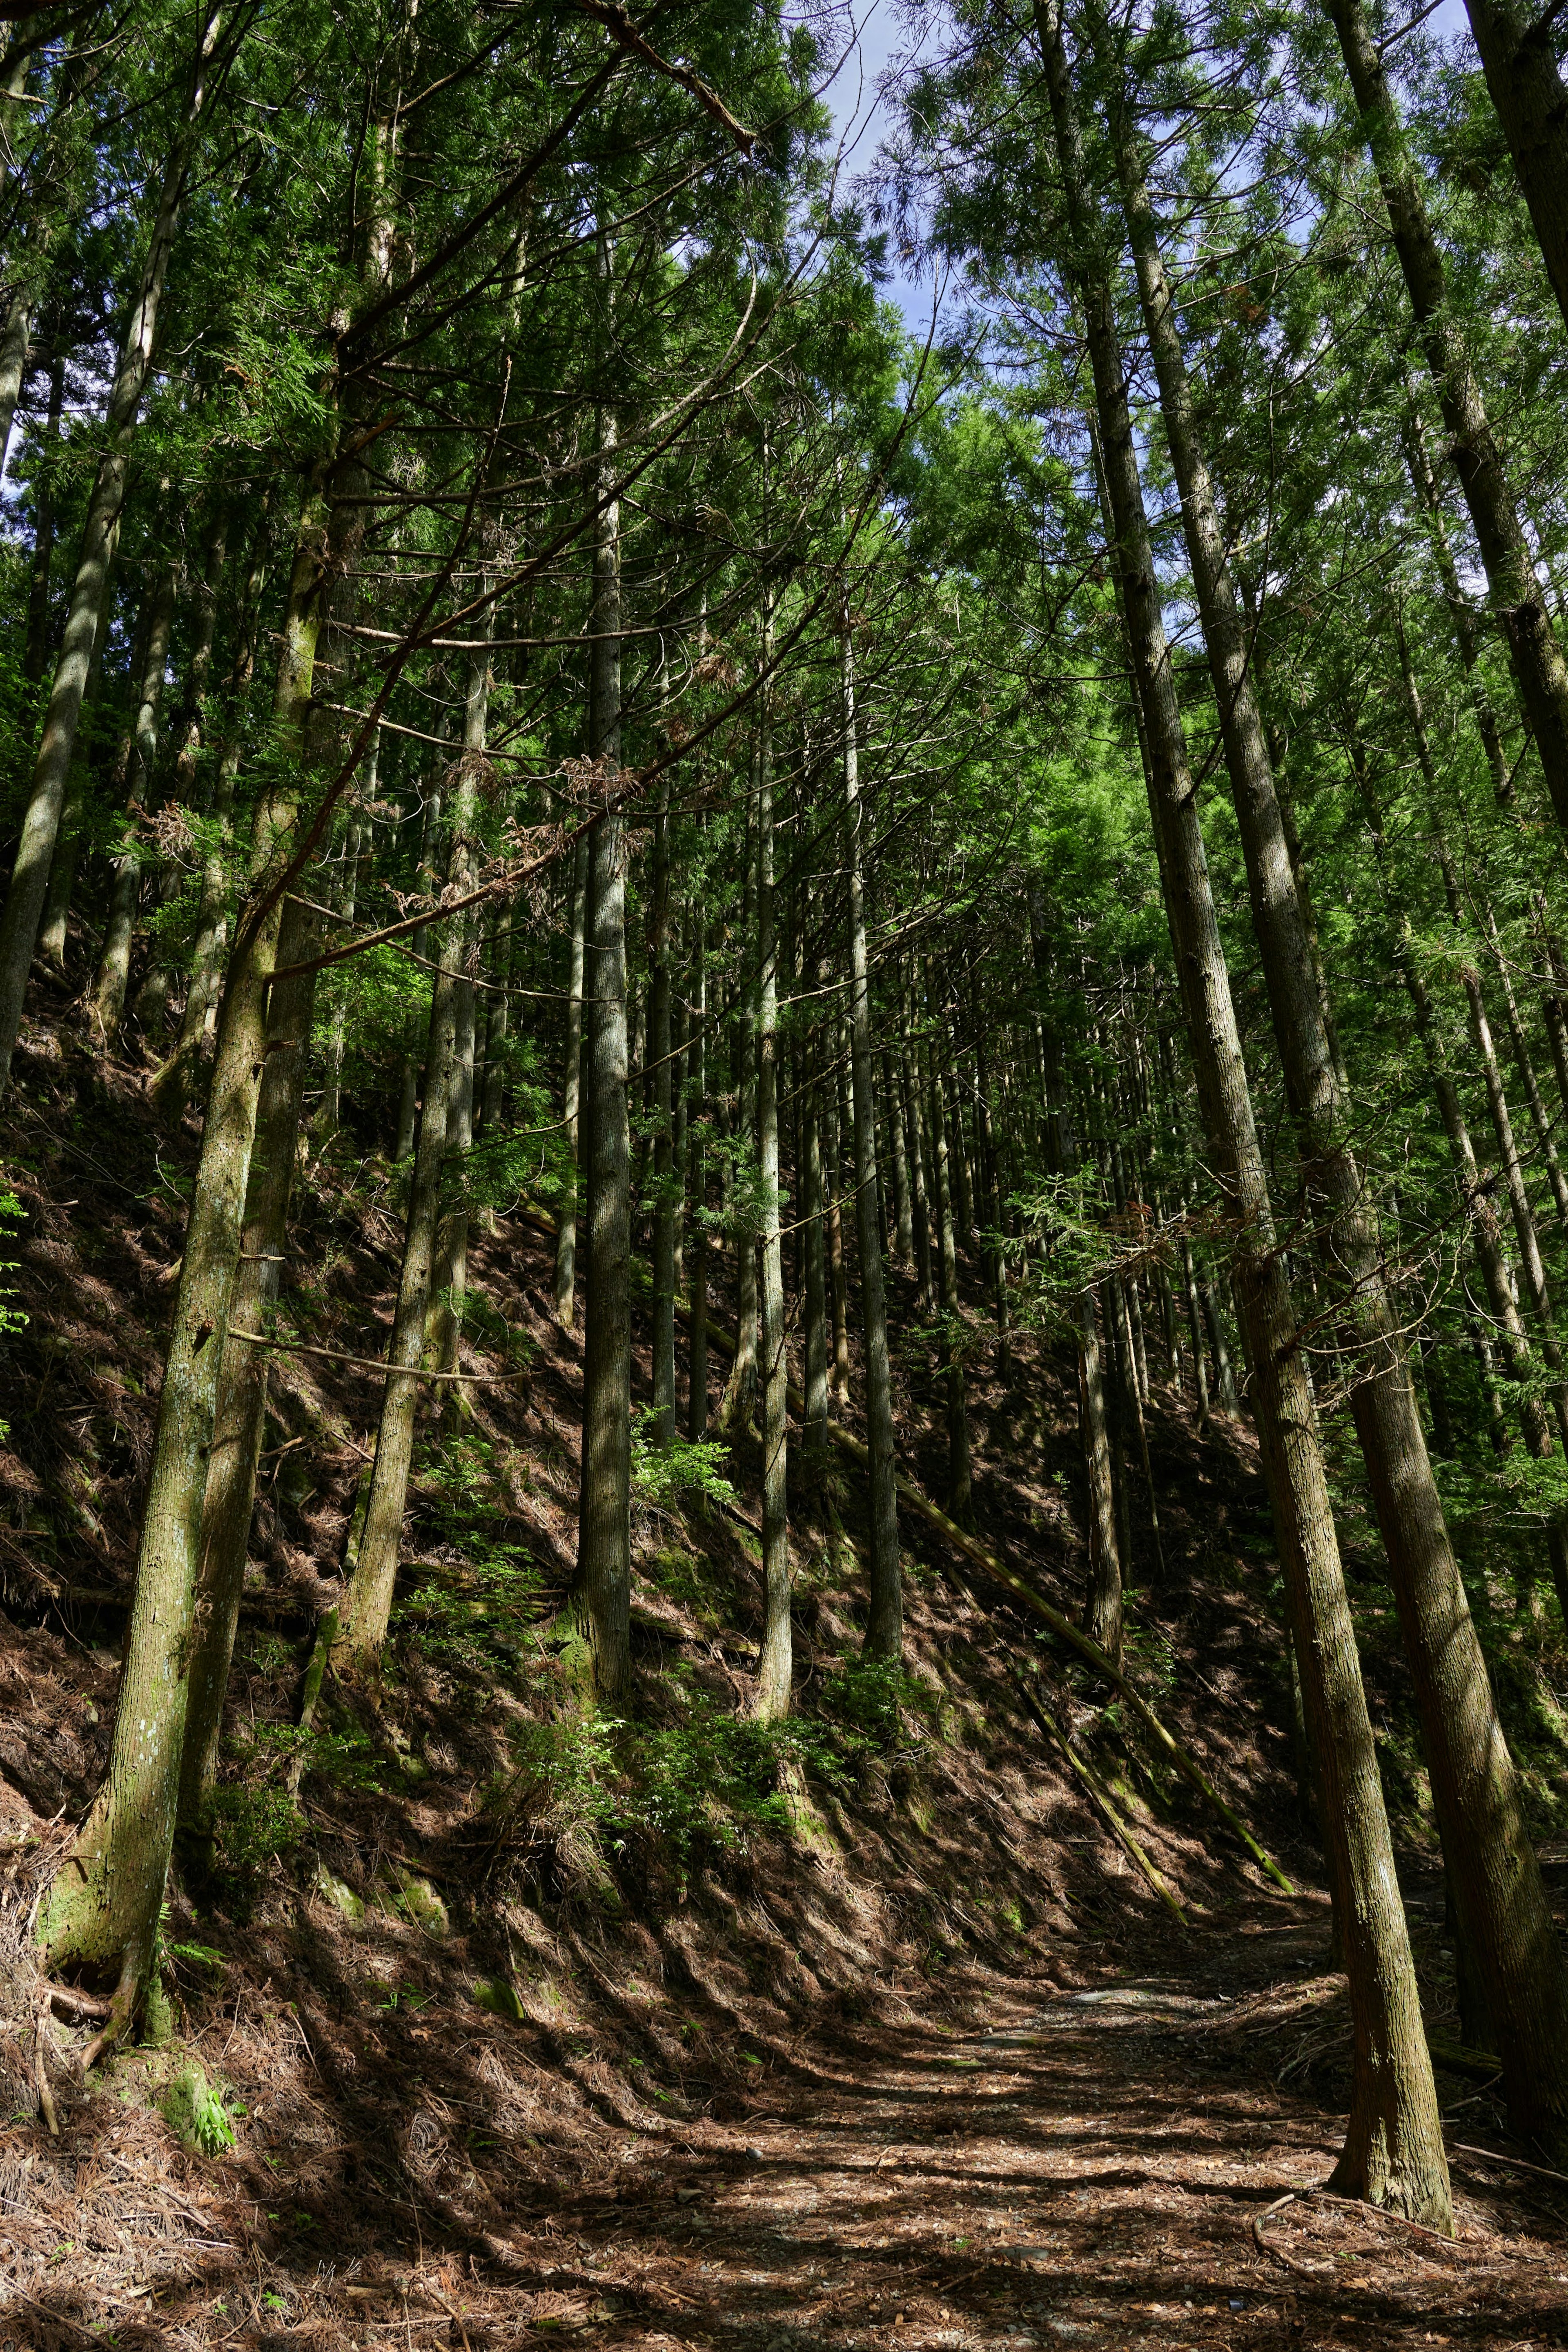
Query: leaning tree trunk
(103, 1907)
(367, 1608)
(1531, 101)
(1465, 1749)
(1539, 667)
(319, 550)
(1394, 2148)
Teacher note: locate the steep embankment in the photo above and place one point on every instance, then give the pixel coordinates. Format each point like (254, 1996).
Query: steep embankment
(517, 2021)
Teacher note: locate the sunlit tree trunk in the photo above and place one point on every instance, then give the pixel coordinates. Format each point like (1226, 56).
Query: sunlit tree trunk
(1467, 1751)
(1517, 598)
(740, 1388)
(776, 1667)
(1394, 2147)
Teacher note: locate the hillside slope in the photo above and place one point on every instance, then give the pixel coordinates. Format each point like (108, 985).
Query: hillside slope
(511, 2016)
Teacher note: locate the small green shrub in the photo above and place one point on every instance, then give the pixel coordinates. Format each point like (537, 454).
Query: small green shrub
(254, 1826)
(662, 1476)
(868, 1699)
(197, 2113)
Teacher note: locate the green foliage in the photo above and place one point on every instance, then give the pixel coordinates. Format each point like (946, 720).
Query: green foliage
(484, 1601)
(868, 1699)
(663, 1476)
(255, 1826)
(198, 2114)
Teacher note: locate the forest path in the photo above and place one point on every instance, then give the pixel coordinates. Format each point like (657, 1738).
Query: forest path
(1087, 2171)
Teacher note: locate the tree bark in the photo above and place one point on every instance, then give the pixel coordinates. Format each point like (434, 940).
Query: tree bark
(566, 1227)
(740, 1388)
(367, 1609)
(959, 1483)
(884, 1621)
(1531, 101)
(603, 1580)
(776, 1668)
(664, 1164)
(696, 1195)
(1102, 1595)
(1539, 667)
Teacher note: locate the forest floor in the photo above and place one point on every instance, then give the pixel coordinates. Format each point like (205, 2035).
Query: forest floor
(896, 2050)
(1098, 2167)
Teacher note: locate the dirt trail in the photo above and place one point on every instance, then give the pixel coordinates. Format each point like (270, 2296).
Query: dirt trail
(1086, 2168)
(1088, 2171)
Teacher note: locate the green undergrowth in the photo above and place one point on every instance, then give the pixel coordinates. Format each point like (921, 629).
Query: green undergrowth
(703, 1784)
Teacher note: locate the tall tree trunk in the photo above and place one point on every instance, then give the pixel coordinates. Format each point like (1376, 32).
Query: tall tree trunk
(1465, 1749)
(85, 613)
(885, 1620)
(816, 1287)
(566, 1228)
(696, 1191)
(367, 1608)
(356, 850)
(903, 1204)
(35, 653)
(1102, 1595)
(321, 550)
(106, 1001)
(740, 1388)
(775, 1679)
(177, 1078)
(660, 1051)
(959, 1485)
(451, 1273)
(1394, 2148)
(103, 1909)
(240, 1418)
(1539, 667)
(838, 1283)
(603, 1580)
(1531, 101)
